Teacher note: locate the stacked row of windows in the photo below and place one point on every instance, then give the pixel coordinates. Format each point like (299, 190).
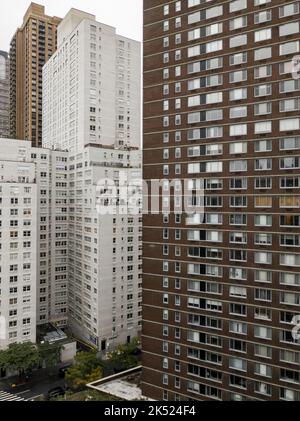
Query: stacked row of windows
(259, 296)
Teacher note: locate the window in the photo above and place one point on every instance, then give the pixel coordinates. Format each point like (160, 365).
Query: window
(289, 124)
(237, 345)
(263, 53)
(290, 260)
(263, 127)
(289, 221)
(263, 239)
(238, 41)
(236, 166)
(289, 395)
(213, 63)
(262, 332)
(240, 292)
(289, 202)
(177, 87)
(289, 10)
(263, 294)
(263, 90)
(263, 351)
(178, 120)
(238, 76)
(289, 48)
(238, 58)
(177, 38)
(238, 309)
(262, 71)
(214, 46)
(264, 164)
(209, 30)
(260, 2)
(291, 357)
(289, 105)
(263, 35)
(288, 29)
(165, 379)
(263, 108)
(238, 237)
(177, 54)
(166, 25)
(238, 112)
(289, 163)
(238, 23)
(263, 220)
(263, 388)
(238, 94)
(165, 282)
(238, 364)
(237, 5)
(263, 183)
(290, 240)
(177, 136)
(166, 121)
(263, 313)
(238, 148)
(237, 381)
(264, 16)
(289, 85)
(213, 12)
(166, 89)
(238, 130)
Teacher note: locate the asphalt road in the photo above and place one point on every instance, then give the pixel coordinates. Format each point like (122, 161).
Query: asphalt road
(36, 387)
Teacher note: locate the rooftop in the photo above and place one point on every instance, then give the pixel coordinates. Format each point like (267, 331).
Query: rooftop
(125, 386)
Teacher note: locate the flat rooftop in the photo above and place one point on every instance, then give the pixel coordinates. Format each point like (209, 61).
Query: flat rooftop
(125, 386)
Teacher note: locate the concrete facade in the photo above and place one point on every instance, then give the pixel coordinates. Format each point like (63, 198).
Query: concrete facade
(33, 226)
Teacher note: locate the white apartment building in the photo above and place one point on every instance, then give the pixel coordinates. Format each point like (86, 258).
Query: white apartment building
(92, 109)
(18, 244)
(91, 87)
(33, 235)
(52, 262)
(104, 250)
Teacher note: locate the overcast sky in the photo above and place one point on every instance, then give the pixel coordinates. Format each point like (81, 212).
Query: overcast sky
(125, 15)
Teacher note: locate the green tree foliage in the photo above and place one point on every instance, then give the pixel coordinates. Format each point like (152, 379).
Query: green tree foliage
(125, 356)
(87, 368)
(50, 354)
(19, 357)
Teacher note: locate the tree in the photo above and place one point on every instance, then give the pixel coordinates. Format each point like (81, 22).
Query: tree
(19, 357)
(50, 354)
(125, 356)
(87, 368)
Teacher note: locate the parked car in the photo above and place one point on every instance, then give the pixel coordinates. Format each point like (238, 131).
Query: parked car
(55, 392)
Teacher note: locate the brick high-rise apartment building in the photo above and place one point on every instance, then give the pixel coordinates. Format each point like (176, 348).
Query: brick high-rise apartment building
(4, 94)
(31, 47)
(222, 105)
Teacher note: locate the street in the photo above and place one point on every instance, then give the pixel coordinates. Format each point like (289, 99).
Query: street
(37, 386)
